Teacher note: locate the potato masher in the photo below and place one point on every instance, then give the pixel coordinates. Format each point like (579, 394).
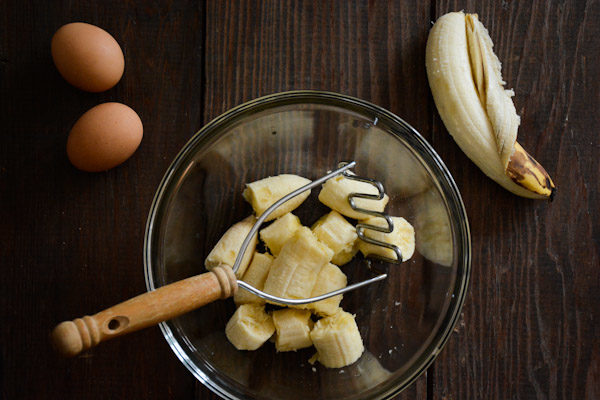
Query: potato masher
(167, 302)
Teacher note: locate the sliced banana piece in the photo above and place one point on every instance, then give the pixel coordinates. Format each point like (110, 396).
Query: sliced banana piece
(227, 248)
(249, 327)
(330, 278)
(279, 232)
(337, 340)
(292, 329)
(294, 272)
(402, 236)
(335, 191)
(255, 275)
(467, 86)
(338, 234)
(264, 193)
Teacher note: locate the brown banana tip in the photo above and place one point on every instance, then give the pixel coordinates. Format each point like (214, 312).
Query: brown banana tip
(552, 193)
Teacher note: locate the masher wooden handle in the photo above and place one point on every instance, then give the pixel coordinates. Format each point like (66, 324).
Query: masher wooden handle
(72, 337)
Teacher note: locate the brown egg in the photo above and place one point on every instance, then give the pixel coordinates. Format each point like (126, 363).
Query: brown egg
(87, 57)
(104, 137)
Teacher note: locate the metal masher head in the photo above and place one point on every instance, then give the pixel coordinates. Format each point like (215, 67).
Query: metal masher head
(343, 169)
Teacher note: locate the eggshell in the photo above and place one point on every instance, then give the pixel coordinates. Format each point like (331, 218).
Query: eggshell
(87, 57)
(104, 137)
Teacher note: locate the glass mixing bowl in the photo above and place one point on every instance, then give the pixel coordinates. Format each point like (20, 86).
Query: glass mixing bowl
(404, 320)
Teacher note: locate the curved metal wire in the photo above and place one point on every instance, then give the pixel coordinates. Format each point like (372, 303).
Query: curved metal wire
(361, 226)
(295, 302)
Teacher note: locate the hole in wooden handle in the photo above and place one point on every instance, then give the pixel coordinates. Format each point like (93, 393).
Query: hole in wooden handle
(118, 323)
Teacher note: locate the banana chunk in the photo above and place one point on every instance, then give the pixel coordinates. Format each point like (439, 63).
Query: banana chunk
(330, 278)
(249, 327)
(279, 232)
(294, 272)
(337, 340)
(402, 236)
(338, 234)
(292, 329)
(335, 191)
(227, 248)
(264, 193)
(255, 275)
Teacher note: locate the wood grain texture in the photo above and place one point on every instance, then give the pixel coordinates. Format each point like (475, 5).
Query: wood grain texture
(530, 321)
(71, 242)
(371, 50)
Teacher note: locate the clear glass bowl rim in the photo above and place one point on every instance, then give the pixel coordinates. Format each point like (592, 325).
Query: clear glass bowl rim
(437, 167)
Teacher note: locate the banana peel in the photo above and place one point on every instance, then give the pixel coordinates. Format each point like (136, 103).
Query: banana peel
(467, 86)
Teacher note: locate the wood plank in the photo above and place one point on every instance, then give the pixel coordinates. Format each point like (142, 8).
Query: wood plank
(530, 323)
(372, 50)
(71, 242)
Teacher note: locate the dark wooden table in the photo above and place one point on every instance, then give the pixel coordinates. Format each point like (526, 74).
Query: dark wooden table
(71, 242)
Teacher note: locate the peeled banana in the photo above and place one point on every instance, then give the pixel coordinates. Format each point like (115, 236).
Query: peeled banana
(337, 340)
(279, 232)
(335, 191)
(402, 236)
(338, 234)
(294, 272)
(255, 275)
(302, 266)
(227, 248)
(292, 329)
(264, 193)
(466, 82)
(249, 327)
(330, 278)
